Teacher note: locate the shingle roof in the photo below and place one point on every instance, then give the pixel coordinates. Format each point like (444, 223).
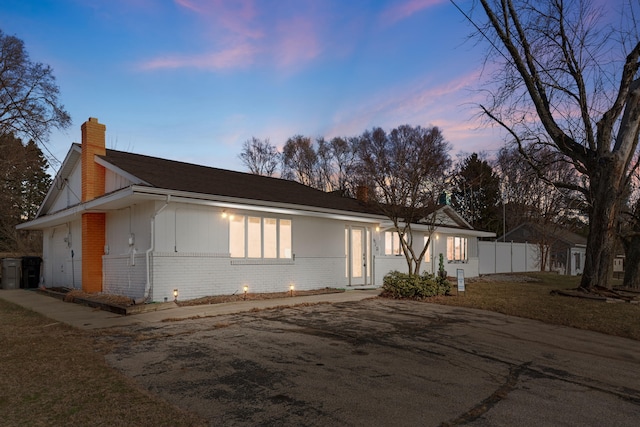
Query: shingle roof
(179, 176)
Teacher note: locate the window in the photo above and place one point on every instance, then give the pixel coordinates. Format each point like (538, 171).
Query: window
(285, 238)
(427, 254)
(257, 237)
(392, 243)
(254, 238)
(457, 249)
(236, 236)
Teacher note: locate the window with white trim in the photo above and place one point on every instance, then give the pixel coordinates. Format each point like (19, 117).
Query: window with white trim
(427, 254)
(392, 243)
(257, 237)
(457, 249)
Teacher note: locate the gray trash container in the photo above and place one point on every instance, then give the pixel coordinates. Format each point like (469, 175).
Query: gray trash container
(11, 273)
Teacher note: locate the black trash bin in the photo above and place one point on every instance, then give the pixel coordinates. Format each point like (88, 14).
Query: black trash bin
(30, 272)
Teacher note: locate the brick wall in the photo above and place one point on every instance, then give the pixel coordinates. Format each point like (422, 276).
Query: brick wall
(124, 275)
(198, 275)
(93, 224)
(93, 143)
(93, 227)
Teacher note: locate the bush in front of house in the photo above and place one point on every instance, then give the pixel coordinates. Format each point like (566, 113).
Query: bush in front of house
(413, 286)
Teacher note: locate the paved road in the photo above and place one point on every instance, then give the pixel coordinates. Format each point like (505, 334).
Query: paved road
(382, 362)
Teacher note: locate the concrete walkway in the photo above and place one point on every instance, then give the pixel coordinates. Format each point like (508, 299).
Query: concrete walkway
(84, 317)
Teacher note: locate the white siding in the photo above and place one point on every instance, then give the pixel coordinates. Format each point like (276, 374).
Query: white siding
(71, 191)
(188, 228)
(114, 181)
(59, 267)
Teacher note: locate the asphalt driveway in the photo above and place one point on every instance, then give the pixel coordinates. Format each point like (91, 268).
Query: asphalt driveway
(382, 362)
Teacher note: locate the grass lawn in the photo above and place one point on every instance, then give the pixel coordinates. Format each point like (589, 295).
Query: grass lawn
(54, 375)
(533, 300)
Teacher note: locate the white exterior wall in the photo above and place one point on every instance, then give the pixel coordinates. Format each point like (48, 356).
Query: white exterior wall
(318, 257)
(128, 237)
(387, 263)
(191, 253)
(59, 267)
(114, 181)
(71, 193)
(198, 275)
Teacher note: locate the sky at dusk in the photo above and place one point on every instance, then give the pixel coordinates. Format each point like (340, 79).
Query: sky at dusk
(191, 80)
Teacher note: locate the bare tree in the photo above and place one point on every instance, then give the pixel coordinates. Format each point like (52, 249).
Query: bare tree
(29, 104)
(300, 161)
(336, 164)
(530, 199)
(260, 157)
(405, 171)
(565, 84)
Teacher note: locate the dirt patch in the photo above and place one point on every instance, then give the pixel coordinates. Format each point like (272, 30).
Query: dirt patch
(255, 296)
(76, 295)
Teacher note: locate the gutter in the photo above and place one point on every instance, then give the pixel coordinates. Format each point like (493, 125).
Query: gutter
(152, 246)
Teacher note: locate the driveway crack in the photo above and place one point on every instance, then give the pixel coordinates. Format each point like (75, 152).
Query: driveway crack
(488, 403)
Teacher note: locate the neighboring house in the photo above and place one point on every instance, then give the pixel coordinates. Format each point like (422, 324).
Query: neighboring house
(140, 226)
(565, 250)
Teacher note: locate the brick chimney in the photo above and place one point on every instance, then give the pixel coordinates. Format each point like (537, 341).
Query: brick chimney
(93, 144)
(362, 193)
(93, 223)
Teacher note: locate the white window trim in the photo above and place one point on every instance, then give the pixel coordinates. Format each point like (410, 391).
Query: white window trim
(465, 248)
(277, 258)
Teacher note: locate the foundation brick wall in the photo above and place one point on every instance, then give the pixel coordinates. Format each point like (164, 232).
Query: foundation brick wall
(198, 275)
(124, 275)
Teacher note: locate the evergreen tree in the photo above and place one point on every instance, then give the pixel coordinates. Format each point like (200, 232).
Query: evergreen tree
(24, 183)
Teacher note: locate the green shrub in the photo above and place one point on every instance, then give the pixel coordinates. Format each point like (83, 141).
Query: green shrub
(413, 286)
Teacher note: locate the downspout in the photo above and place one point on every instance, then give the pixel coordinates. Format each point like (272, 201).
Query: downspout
(152, 246)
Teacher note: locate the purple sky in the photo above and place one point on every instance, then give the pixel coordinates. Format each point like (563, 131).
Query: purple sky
(192, 80)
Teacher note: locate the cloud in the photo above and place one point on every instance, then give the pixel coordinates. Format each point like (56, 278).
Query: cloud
(400, 11)
(297, 42)
(235, 57)
(451, 106)
(241, 35)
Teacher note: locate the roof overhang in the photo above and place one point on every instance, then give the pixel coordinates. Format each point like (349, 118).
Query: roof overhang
(439, 228)
(137, 194)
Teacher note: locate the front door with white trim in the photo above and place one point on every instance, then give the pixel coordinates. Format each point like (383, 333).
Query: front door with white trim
(357, 255)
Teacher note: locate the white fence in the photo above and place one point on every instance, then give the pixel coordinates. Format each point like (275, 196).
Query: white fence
(508, 257)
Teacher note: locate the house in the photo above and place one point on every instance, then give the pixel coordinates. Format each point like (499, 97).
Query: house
(565, 250)
(140, 226)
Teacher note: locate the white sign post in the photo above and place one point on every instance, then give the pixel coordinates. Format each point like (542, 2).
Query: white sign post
(460, 276)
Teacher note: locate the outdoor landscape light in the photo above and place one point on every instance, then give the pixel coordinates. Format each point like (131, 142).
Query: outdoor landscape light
(246, 288)
(175, 295)
(291, 289)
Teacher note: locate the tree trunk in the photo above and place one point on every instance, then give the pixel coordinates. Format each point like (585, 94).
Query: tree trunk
(632, 263)
(605, 188)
